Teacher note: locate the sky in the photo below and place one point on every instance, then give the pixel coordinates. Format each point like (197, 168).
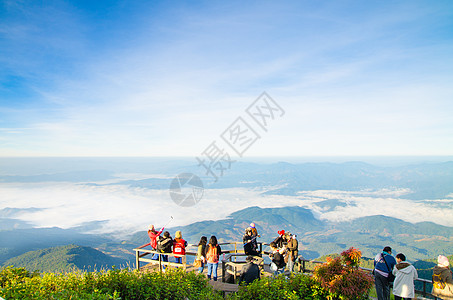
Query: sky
(160, 78)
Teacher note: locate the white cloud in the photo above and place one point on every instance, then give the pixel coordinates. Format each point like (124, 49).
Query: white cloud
(369, 203)
(129, 209)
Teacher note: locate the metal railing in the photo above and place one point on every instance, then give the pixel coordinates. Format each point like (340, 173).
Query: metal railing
(141, 253)
(157, 258)
(231, 266)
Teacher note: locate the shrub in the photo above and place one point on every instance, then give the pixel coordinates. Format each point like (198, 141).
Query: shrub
(296, 286)
(342, 277)
(18, 283)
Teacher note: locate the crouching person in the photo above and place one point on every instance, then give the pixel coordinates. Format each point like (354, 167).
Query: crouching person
(250, 271)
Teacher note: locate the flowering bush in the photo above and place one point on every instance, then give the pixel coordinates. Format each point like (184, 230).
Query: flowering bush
(351, 257)
(18, 283)
(342, 277)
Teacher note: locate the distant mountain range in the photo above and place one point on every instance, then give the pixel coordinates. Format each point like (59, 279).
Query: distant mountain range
(425, 181)
(64, 259)
(316, 237)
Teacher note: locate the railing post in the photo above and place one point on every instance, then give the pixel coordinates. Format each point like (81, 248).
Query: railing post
(303, 266)
(234, 270)
(223, 270)
(160, 263)
(137, 260)
(184, 262)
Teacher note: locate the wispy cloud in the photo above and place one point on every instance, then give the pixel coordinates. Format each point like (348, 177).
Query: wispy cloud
(146, 79)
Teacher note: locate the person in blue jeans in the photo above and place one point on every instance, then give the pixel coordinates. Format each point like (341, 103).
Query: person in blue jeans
(213, 252)
(179, 247)
(383, 266)
(164, 245)
(201, 253)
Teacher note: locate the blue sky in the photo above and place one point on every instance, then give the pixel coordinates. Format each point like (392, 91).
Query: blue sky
(134, 78)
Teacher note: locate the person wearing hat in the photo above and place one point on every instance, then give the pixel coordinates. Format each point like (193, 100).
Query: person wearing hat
(179, 247)
(442, 277)
(153, 237)
(249, 246)
(280, 241)
(255, 235)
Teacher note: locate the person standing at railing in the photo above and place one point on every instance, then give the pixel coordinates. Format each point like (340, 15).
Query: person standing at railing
(442, 279)
(383, 266)
(164, 244)
(213, 252)
(179, 247)
(405, 274)
(292, 247)
(255, 235)
(153, 237)
(201, 254)
(280, 241)
(249, 245)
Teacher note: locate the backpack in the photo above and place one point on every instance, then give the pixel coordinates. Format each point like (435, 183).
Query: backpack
(438, 283)
(212, 256)
(179, 247)
(160, 246)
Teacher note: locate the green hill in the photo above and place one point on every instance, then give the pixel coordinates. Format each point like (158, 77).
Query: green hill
(19, 241)
(63, 259)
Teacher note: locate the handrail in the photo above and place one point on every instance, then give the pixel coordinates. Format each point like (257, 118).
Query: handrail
(237, 253)
(423, 292)
(140, 253)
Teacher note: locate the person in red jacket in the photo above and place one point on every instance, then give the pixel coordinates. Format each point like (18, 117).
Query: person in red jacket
(153, 237)
(179, 246)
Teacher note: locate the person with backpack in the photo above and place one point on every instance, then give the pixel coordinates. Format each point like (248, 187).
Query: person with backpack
(179, 247)
(278, 261)
(213, 252)
(255, 235)
(442, 279)
(164, 244)
(249, 245)
(153, 234)
(201, 254)
(383, 276)
(405, 274)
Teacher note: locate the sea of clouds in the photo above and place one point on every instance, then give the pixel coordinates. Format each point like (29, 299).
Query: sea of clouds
(124, 209)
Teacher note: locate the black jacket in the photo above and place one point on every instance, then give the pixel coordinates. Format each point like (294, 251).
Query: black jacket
(250, 272)
(278, 259)
(164, 244)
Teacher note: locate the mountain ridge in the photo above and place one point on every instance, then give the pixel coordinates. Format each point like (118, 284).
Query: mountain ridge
(64, 259)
